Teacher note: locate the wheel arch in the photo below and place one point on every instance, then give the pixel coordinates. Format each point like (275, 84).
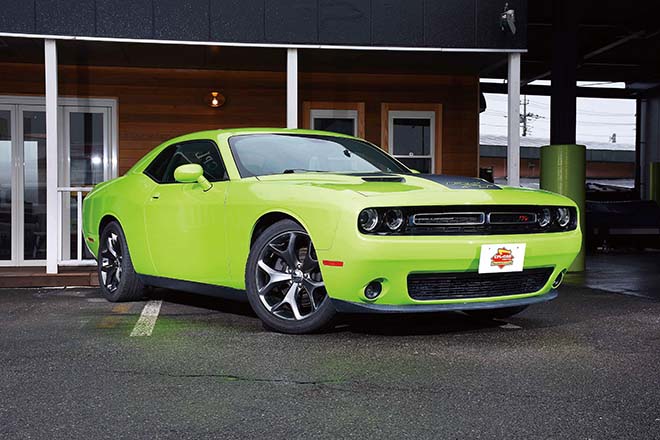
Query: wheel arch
(268, 219)
(107, 218)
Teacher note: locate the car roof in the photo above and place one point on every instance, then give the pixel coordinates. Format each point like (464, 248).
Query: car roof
(262, 130)
(226, 133)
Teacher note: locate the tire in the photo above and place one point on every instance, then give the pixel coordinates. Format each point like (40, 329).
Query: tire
(504, 312)
(284, 282)
(117, 278)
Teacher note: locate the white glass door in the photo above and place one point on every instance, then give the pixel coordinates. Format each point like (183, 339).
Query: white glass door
(86, 154)
(31, 184)
(8, 224)
(85, 161)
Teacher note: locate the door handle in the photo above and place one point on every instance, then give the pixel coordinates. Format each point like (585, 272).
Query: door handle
(155, 196)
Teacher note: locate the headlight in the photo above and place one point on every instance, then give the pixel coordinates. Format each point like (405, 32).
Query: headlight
(368, 219)
(563, 216)
(545, 218)
(393, 219)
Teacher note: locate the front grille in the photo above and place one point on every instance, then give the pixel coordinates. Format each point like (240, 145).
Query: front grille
(512, 218)
(456, 285)
(449, 218)
(477, 220)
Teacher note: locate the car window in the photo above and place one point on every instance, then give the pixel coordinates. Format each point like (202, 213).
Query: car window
(263, 154)
(204, 153)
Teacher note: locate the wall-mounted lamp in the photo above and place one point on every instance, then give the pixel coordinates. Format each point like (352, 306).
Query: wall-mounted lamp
(215, 99)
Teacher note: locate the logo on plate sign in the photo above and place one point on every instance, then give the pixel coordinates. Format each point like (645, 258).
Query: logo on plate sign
(503, 257)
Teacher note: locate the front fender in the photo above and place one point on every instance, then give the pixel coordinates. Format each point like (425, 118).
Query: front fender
(318, 210)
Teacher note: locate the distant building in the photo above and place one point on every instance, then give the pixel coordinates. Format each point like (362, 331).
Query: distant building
(605, 160)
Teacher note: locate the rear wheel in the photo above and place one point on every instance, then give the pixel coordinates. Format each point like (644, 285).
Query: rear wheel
(284, 282)
(504, 312)
(117, 278)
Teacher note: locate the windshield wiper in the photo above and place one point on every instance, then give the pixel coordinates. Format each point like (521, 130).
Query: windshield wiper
(301, 170)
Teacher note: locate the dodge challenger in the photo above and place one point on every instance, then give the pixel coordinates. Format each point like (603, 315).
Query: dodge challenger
(307, 224)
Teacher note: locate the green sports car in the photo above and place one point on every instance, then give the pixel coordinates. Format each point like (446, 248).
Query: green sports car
(306, 224)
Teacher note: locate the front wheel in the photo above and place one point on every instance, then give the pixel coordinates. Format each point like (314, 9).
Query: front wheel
(284, 282)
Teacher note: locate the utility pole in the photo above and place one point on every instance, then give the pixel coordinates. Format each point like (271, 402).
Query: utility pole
(523, 115)
(526, 118)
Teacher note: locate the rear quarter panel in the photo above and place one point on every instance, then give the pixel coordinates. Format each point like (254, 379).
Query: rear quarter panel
(122, 198)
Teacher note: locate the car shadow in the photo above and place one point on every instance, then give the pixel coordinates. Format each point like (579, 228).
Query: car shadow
(386, 325)
(414, 324)
(241, 308)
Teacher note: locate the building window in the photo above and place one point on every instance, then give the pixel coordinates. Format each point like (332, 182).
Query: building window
(339, 117)
(337, 121)
(412, 133)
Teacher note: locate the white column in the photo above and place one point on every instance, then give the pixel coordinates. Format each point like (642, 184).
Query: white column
(50, 55)
(292, 88)
(513, 115)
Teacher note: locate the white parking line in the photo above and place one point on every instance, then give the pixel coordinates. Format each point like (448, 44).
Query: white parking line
(147, 321)
(509, 326)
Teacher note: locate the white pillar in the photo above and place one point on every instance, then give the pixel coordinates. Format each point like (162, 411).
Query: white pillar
(513, 115)
(50, 55)
(292, 88)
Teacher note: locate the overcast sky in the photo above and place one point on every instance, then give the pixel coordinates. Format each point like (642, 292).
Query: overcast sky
(597, 119)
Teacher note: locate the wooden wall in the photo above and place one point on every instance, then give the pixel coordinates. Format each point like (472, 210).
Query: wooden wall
(157, 104)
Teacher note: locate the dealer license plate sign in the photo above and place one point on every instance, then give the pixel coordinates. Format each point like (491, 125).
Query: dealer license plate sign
(498, 258)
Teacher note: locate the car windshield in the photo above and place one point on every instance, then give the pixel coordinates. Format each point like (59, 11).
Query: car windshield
(263, 154)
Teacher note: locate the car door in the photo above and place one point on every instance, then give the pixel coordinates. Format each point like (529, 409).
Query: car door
(186, 225)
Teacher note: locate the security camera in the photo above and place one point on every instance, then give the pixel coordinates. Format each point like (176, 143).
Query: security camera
(508, 20)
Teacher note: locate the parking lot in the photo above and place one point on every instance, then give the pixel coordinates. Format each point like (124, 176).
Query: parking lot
(583, 366)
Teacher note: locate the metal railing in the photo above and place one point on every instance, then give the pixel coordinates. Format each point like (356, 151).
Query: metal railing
(64, 222)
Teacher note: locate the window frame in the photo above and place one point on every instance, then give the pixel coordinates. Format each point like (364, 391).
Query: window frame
(413, 114)
(412, 108)
(176, 145)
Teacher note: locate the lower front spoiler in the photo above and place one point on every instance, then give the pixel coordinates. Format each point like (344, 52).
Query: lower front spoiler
(351, 307)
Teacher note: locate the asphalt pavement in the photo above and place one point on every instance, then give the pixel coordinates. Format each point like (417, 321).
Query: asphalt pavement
(585, 366)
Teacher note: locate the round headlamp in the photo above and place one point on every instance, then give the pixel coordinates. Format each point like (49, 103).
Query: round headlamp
(545, 218)
(393, 219)
(563, 217)
(368, 219)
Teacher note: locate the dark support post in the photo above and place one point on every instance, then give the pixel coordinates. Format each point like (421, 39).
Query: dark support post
(564, 75)
(563, 162)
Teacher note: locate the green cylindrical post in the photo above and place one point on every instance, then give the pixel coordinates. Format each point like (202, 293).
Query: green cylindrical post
(563, 170)
(654, 181)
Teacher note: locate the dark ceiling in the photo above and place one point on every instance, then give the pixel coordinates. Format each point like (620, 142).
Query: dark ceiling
(617, 41)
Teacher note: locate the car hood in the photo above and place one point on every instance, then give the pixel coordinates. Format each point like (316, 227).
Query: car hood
(419, 189)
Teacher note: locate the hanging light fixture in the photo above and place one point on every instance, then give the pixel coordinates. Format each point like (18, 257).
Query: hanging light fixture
(215, 99)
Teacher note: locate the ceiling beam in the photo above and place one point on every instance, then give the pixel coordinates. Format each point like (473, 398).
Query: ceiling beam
(593, 53)
(583, 92)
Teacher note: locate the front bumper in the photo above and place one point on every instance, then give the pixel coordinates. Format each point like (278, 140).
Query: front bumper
(390, 259)
(352, 307)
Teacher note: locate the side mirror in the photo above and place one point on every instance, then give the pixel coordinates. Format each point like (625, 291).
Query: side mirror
(191, 173)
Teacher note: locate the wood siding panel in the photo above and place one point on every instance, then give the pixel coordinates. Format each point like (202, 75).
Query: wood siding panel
(157, 104)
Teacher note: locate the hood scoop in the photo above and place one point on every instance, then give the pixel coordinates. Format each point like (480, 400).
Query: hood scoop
(396, 179)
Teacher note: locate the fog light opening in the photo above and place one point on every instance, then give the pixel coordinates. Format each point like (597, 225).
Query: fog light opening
(373, 289)
(559, 279)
